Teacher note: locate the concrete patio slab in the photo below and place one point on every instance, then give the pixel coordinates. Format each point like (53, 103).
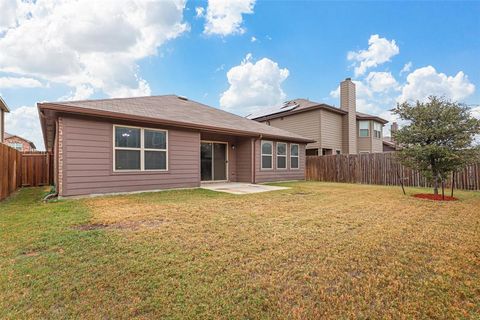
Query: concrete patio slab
(239, 188)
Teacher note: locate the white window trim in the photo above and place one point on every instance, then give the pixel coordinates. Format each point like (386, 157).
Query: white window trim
(368, 129)
(297, 156)
(375, 130)
(142, 149)
(16, 145)
(265, 154)
(281, 156)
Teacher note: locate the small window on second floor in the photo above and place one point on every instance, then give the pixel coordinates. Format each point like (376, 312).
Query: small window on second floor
(364, 128)
(377, 130)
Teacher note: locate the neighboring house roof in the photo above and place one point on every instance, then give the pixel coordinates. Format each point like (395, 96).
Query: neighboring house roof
(303, 105)
(3, 105)
(170, 110)
(10, 136)
(388, 142)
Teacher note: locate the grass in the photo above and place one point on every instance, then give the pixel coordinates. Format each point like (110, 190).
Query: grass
(317, 250)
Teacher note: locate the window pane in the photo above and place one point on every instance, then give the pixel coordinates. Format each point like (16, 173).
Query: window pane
(294, 149)
(127, 160)
(266, 162)
(294, 162)
(155, 139)
(363, 132)
(281, 162)
(267, 148)
(127, 137)
(155, 160)
(281, 148)
(363, 124)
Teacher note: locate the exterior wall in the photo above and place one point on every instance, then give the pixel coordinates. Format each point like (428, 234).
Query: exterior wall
(306, 124)
(388, 148)
(348, 103)
(370, 143)
(331, 130)
(25, 145)
(275, 174)
(88, 160)
(244, 150)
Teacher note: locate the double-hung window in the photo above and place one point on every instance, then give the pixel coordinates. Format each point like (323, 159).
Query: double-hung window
(267, 155)
(364, 128)
(140, 149)
(281, 155)
(294, 162)
(16, 145)
(377, 130)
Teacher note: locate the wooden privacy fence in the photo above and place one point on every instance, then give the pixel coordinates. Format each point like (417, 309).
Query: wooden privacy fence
(380, 168)
(18, 169)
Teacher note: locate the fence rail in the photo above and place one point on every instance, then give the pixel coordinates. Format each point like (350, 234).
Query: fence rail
(18, 169)
(381, 169)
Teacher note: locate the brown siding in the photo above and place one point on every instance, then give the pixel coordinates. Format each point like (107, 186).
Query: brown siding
(331, 126)
(88, 161)
(306, 124)
(377, 144)
(348, 103)
(279, 175)
(244, 160)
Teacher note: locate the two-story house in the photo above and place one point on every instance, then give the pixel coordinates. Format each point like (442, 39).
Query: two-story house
(335, 130)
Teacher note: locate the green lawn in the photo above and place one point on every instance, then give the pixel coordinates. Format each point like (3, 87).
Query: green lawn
(317, 250)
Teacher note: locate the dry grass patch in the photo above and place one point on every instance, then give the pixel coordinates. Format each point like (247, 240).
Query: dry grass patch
(314, 251)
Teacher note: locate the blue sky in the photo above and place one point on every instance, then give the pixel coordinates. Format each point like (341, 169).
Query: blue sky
(240, 56)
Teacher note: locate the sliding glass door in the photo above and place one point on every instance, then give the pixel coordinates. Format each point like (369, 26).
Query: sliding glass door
(213, 158)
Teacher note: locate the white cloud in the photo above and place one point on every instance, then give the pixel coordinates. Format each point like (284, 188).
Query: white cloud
(475, 111)
(226, 17)
(8, 14)
(89, 45)
(21, 82)
(199, 12)
(426, 81)
(253, 39)
(254, 86)
(380, 50)
(406, 68)
(24, 122)
(381, 81)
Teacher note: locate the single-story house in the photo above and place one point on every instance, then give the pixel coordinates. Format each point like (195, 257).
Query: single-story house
(19, 143)
(3, 109)
(160, 142)
(335, 130)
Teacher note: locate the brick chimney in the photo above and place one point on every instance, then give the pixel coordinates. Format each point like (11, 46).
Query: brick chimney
(348, 103)
(393, 130)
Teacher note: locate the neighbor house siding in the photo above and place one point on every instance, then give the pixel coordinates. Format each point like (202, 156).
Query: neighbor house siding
(279, 175)
(331, 130)
(2, 125)
(306, 124)
(364, 143)
(88, 160)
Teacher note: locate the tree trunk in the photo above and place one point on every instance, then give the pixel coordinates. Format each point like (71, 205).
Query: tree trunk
(435, 184)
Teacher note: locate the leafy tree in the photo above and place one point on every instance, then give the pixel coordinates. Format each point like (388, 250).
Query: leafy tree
(438, 138)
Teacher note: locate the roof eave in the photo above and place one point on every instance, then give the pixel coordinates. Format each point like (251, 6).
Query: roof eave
(290, 112)
(3, 105)
(124, 116)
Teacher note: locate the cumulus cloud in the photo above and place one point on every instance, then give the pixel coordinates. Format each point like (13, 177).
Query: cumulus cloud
(8, 14)
(381, 81)
(406, 68)
(226, 17)
(24, 122)
(253, 39)
(21, 82)
(426, 81)
(254, 85)
(89, 44)
(380, 50)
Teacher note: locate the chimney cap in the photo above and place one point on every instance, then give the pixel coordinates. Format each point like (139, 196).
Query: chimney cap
(348, 79)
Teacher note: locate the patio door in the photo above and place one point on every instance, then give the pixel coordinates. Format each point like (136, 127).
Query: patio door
(213, 159)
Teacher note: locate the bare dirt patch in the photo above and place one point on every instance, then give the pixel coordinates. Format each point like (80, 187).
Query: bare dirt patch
(126, 225)
(437, 197)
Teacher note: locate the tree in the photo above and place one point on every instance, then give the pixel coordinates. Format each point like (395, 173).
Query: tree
(438, 138)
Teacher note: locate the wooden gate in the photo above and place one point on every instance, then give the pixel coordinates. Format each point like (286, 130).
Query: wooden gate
(37, 169)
